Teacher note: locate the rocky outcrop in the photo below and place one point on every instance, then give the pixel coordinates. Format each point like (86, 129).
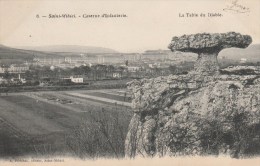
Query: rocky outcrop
(207, 46)
(195, 114)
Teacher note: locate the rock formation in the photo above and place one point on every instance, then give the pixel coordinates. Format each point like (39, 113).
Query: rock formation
(207, 46)
(196, 114)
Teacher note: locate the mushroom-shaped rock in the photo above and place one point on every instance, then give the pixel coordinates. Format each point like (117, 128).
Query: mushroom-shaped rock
(207, 46)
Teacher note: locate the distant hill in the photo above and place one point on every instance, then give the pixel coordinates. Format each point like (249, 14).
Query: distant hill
(70, 48)
(10, 55)
(251, 53)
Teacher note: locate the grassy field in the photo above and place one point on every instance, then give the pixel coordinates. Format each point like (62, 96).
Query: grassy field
(53, 123)
(111, 96)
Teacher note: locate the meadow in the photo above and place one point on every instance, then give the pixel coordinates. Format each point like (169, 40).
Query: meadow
(55, 123)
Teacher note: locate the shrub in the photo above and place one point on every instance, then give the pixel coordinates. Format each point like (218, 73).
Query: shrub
(103, 136)
(235, 132)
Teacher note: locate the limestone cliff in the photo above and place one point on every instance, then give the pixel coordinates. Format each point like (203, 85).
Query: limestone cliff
(195, 114)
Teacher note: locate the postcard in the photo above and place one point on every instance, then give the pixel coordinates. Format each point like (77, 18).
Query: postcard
(128, 82)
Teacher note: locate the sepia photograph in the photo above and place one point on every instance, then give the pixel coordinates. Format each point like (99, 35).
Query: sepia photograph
(140, 82)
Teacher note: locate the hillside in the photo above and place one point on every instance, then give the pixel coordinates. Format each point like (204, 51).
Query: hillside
(70, 48)
(15, 55)
(10, 55)
(250, 53)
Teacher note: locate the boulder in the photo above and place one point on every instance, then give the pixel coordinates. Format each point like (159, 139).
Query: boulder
(207, 46)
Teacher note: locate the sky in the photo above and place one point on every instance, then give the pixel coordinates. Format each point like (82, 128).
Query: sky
(149, 24)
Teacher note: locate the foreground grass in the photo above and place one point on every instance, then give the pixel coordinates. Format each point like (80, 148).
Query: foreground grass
(39, 128)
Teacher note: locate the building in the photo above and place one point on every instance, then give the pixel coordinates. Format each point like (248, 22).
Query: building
(14, 69)
(155, 55)
(133, 68)
(76, 79)
(243, 60)
(116, 75)
(2, 69)
(66, 61)
(49, 60)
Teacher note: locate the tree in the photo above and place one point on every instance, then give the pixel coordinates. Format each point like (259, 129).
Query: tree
(78, 70)
(121, 70)
(86, 70)
(110, 69)
(7, 75)
(173, 69)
